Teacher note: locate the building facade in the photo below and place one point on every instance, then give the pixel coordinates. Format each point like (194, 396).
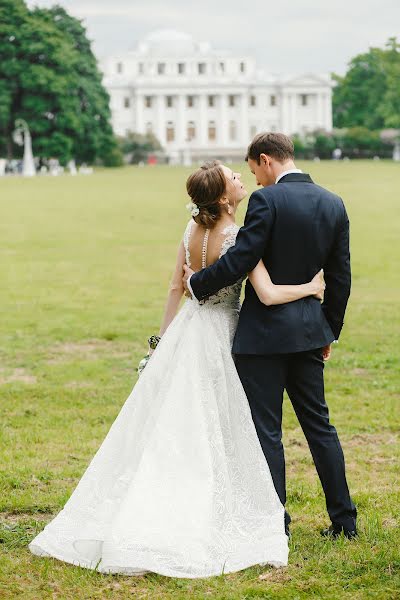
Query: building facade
(202, 102)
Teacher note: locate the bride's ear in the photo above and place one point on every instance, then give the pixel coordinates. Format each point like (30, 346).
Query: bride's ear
(224, 201)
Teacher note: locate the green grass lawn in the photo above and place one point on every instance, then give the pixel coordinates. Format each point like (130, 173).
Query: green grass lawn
(84, 268)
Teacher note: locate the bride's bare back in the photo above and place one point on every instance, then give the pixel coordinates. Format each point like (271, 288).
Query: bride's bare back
(198, 242)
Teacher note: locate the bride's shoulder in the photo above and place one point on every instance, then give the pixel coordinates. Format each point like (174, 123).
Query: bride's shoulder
(189, 226)
(231, 230)
(231, 227)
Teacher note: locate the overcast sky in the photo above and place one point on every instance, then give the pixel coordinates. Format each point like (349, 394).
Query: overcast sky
(285, 36)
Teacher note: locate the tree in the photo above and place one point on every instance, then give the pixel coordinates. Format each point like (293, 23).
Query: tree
(137, 146)
(94, 136)
(358, 142)
(369, 94)
(13, 17)
(390, 105)
(324, 144)
(49, 77)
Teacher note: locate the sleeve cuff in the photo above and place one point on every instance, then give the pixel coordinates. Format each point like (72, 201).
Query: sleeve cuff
(190, 287)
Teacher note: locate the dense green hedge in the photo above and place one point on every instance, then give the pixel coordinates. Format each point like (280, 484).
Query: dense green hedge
(354, 142)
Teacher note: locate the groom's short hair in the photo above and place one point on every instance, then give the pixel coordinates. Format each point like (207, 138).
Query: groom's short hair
(277, 145)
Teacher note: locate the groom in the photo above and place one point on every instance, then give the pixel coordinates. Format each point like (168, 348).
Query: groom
(296, 227)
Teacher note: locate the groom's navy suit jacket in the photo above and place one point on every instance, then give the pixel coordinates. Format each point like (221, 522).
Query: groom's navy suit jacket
(297, 228)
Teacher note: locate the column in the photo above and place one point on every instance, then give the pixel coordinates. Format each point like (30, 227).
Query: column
(139, 117)
(203, 121)
(244, 133)
(320, 110)
(328, 120)
(181, 124)
(285, 112)
(222, 122)
(160, 119)
(293, 114)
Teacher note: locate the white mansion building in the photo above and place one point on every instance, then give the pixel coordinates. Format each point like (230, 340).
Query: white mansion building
(202, 102)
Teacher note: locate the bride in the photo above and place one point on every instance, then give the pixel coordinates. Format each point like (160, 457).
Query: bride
(180, 485)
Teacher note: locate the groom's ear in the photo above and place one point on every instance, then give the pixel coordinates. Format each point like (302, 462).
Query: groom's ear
(265, 160)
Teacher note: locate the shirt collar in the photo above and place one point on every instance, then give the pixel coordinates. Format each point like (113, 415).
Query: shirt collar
(287, 173)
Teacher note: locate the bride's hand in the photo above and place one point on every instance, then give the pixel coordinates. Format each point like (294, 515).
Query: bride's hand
(317, 285)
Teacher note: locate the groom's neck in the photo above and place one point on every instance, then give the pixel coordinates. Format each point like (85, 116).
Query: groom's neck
(282, 167)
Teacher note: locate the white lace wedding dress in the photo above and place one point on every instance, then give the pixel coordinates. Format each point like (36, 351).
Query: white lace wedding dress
(180, 485)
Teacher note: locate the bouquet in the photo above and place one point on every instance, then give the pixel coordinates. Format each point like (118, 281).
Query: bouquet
(153, 342)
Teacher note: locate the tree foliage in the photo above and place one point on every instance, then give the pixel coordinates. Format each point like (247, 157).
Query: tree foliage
(49, 77)
(369, 94)
(136, 147)
(354, 142)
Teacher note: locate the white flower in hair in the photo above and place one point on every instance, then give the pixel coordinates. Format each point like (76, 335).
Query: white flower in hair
(193, 209)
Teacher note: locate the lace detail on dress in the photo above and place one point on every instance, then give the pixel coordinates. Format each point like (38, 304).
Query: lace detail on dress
(230, 232)
(229, 295)
(186, 237)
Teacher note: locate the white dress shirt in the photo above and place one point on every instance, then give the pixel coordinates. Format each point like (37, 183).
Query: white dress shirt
(287, 173)
(190, 288)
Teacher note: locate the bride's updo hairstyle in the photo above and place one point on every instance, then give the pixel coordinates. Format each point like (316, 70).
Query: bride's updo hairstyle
(205, 187)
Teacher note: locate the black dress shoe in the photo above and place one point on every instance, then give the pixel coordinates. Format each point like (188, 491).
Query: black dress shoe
(335, 531)
(287, 531)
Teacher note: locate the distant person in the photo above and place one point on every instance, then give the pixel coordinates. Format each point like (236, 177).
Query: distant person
(337, 154)
(295, 227)
(180, 485)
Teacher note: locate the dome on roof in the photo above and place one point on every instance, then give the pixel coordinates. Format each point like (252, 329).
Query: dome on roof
(168, 41)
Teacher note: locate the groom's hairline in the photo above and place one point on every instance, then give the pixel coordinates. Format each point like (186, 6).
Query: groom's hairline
(285, 152)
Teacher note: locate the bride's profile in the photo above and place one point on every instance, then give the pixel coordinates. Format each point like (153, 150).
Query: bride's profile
(180, 485)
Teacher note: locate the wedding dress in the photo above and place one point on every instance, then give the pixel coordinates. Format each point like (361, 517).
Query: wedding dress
(180, 485)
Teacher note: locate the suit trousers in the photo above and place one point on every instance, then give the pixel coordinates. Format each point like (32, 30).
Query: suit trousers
(264, 378)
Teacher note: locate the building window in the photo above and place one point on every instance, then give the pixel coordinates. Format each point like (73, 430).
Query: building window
(191, 130)
(303, 99)
(211, 101)
(141, 68)
(252, 101)
(169, 101)
(120, 67)
(190, 101)
(272, 100)
(231, 100)
(232, 130)
(202, 68)
(243, 67)
(170, 132)
(222, 67)
(127, 102)
(181, 68)
(149, 127)
(148, 101)
(161, 68)
(253, 131)
(212, 131)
